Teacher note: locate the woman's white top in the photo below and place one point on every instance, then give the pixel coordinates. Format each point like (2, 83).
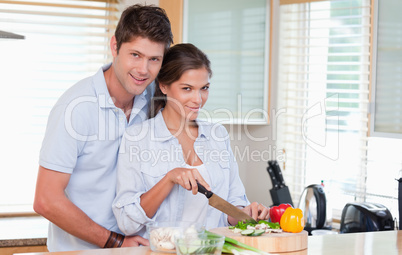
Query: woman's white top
(196, 205)
(149, 151)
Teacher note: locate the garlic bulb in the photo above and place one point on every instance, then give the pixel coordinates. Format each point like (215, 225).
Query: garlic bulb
(164, 238)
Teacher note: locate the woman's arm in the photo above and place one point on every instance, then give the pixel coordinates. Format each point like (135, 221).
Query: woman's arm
(136, 202)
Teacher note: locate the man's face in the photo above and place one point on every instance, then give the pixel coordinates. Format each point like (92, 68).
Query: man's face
(137, 64)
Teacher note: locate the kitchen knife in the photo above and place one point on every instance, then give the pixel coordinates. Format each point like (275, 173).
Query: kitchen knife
(278, 173)
(275, 183)
(224, 206)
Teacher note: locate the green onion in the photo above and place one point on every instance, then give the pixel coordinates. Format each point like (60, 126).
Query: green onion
(232, 244)
(228, 248)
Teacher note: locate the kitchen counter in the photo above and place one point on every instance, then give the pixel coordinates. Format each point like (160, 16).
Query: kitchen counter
(382, 242)
(23, 231)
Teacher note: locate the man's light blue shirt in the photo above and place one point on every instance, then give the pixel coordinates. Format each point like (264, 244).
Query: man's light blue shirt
(82, 139)
(148, 151)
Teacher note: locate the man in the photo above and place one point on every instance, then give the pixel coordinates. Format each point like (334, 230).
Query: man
(77, 180)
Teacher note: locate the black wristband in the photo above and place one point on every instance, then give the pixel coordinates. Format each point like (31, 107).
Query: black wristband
(114, 239)
(121, 240)
(110, 236)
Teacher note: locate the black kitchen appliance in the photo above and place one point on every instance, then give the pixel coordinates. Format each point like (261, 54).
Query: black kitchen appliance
(313, 203)
(365, 217)
(280, 192)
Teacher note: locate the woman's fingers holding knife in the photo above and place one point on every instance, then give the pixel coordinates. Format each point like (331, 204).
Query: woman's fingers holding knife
(187, 178)
(198, 178)
(201, 181)
(179, 176)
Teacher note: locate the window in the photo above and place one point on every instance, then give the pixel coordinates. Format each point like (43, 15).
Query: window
(65, 41)
(234, 36)
(386, 109)
(323, 97)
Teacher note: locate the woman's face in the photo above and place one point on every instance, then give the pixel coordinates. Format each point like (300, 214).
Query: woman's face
(186, 96)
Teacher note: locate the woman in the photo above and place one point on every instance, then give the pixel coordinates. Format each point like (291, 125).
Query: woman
(161, 160)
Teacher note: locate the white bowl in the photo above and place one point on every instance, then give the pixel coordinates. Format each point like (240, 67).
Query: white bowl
(202, 244)
(162, 235)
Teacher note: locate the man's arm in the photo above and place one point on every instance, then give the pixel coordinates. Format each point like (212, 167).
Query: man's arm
(51, 202)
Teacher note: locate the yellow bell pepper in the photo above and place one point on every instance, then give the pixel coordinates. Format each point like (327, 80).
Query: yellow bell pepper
(292, 220)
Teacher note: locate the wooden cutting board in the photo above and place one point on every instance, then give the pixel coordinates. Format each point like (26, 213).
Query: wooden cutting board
(272, 242)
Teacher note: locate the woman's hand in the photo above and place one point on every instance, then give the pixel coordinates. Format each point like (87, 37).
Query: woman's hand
(187, 178)
(257, 211)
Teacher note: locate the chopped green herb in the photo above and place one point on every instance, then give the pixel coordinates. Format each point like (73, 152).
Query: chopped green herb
(243, 225)
(273, 225)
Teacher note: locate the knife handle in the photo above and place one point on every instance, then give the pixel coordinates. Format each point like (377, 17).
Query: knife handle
(279, 175)
(275, 183)
(204, 191)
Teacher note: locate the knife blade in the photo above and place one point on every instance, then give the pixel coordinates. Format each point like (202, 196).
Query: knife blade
(224, 206)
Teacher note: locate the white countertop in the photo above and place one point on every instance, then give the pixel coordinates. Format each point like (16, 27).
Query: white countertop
(21, 231)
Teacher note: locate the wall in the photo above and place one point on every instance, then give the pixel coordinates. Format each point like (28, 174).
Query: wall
(252, 157)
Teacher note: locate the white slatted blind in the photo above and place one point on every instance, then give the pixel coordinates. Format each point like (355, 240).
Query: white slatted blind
(234, 36)
(65, 41)
(324, 87)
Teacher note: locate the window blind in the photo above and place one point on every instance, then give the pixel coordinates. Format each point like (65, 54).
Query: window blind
(65, 41)
(234, 36)
(324, 62)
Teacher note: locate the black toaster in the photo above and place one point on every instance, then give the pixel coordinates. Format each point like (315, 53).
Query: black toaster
(365, 217)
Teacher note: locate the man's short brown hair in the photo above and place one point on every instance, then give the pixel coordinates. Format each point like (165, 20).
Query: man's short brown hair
(145, 21)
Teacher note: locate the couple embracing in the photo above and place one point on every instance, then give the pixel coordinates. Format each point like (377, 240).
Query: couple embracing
(97, 190)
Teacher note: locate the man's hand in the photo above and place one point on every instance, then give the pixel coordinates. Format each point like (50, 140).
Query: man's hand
(134, 241)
